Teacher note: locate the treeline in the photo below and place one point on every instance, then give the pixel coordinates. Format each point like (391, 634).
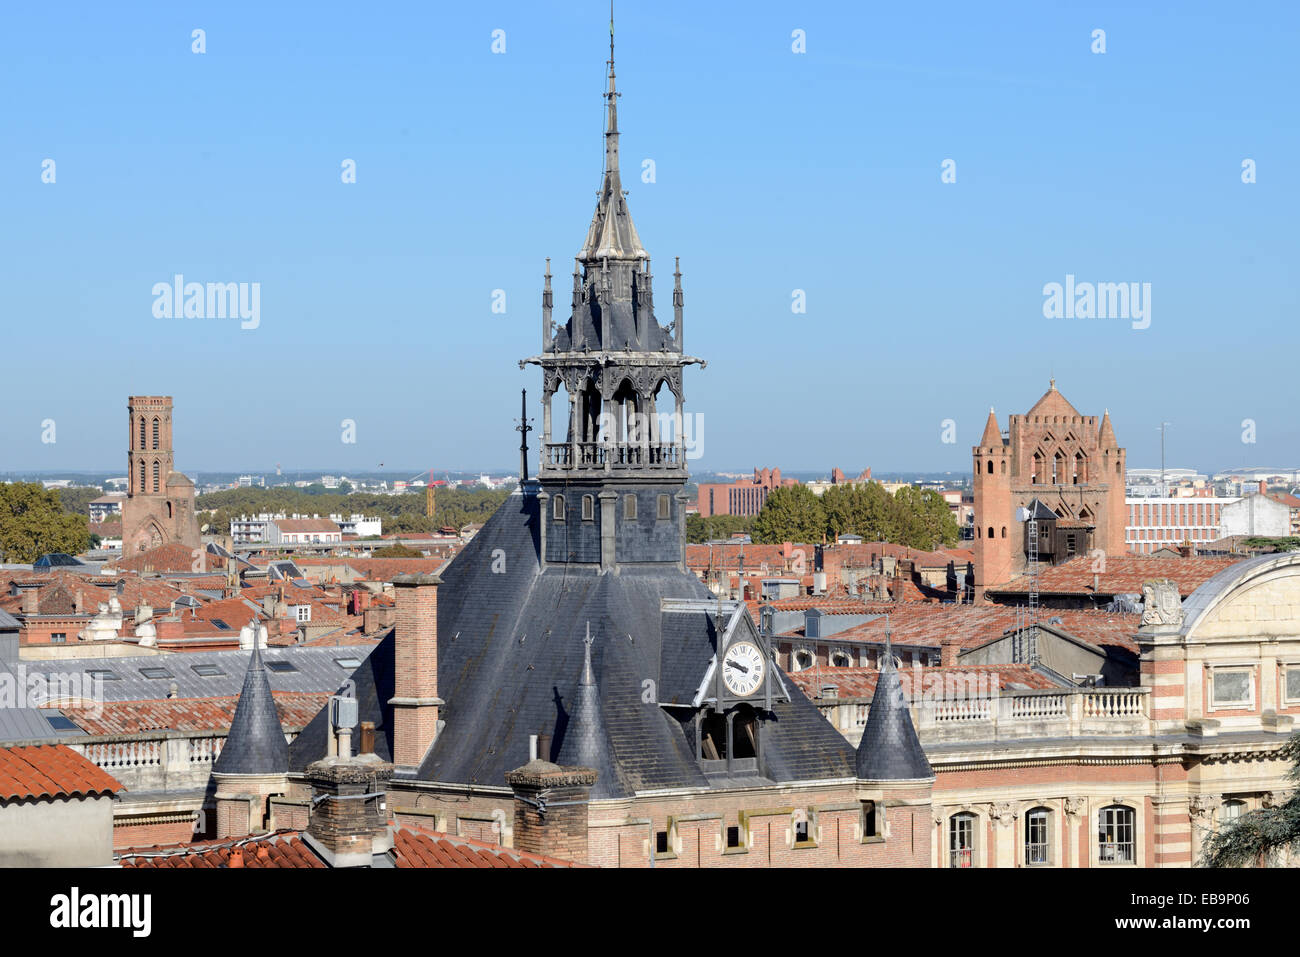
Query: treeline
(402, 514)
(912, 516)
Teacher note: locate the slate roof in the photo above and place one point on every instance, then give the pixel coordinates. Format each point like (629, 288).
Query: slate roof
(314, 669)
(889, 749)
(510, 656)
(43, 771)
(256, 742)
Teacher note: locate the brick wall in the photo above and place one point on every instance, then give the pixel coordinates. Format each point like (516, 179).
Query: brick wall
(415, 708)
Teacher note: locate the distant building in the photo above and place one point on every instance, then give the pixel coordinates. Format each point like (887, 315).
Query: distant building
(1257, 515)
(303, 531)
(1155, 523)
(102, 508)
(159, 508)
(742, 497)
(819, 487)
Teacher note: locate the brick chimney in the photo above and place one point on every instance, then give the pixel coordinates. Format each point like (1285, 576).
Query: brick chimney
(551, 809)
(415, 698)
(349, 813)
(31, 601)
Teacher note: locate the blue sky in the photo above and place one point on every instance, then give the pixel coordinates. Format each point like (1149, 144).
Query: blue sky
(775, 171)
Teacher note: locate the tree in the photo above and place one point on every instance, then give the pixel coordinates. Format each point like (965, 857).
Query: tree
(702, 529)
(1257, 835)
(865, 510)
(76, 500)
(33, 522)
(396, 551)
(924, 519)
(791, 513)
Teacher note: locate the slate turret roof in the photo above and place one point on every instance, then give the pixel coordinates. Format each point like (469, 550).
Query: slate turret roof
(256, 742)
(889, 749)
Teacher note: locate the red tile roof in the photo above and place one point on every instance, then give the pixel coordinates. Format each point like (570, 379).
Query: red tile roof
(296, 709)
(861, 682)
(1121, 574)
(42, 771)
(930, 625)
(415, 847)
(171, 558)
(412, 847)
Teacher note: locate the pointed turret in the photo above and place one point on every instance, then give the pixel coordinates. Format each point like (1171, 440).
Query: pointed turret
(889, 749)
(992, 437)
(586, 742)
(1106, 433)
(256, 742)
(611, 234)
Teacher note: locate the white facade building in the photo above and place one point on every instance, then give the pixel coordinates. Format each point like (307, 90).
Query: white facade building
(1155, 523)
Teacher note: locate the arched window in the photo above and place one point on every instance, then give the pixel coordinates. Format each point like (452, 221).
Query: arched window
(841, 660)
(665, 508)
(629, 508)
(588, 508)
(141, 470)
(142, 445)
(802, 659)
(1037, 829)
(1004, 466)
(169, 509)
(155, 432)
(1115, 838)
(1004, 531)
(961, 840)
(990, 466)
(1039, 465)
(558, 508)
(1080, 469)
(991, 531)
(156, 469)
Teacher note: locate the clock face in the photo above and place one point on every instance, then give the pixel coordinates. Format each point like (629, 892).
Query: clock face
(743, 668)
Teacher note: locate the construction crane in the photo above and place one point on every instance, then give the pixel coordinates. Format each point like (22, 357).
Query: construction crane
(430, 501)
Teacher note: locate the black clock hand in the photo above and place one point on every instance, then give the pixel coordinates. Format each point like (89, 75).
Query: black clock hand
(737, 665)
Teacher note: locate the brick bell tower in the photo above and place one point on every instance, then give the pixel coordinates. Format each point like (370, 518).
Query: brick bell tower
(1069, 464)
(159, 507)
(612, 474)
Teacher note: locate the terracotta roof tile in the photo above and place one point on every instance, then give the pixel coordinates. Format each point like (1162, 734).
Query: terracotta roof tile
(50, 771)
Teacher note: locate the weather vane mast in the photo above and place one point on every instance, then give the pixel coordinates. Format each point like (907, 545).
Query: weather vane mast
(523, 428)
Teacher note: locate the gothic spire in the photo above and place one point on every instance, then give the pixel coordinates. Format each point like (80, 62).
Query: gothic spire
(611, 234)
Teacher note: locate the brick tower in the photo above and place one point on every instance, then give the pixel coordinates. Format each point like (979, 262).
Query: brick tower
(1071, 464)
(159, 507)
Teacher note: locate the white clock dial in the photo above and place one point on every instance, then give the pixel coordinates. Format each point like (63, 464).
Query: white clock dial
(743, 668)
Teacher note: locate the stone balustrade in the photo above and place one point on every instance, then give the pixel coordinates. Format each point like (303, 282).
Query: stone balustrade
(1011, 715)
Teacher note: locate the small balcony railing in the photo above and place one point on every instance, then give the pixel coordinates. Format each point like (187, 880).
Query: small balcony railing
(627, 455)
